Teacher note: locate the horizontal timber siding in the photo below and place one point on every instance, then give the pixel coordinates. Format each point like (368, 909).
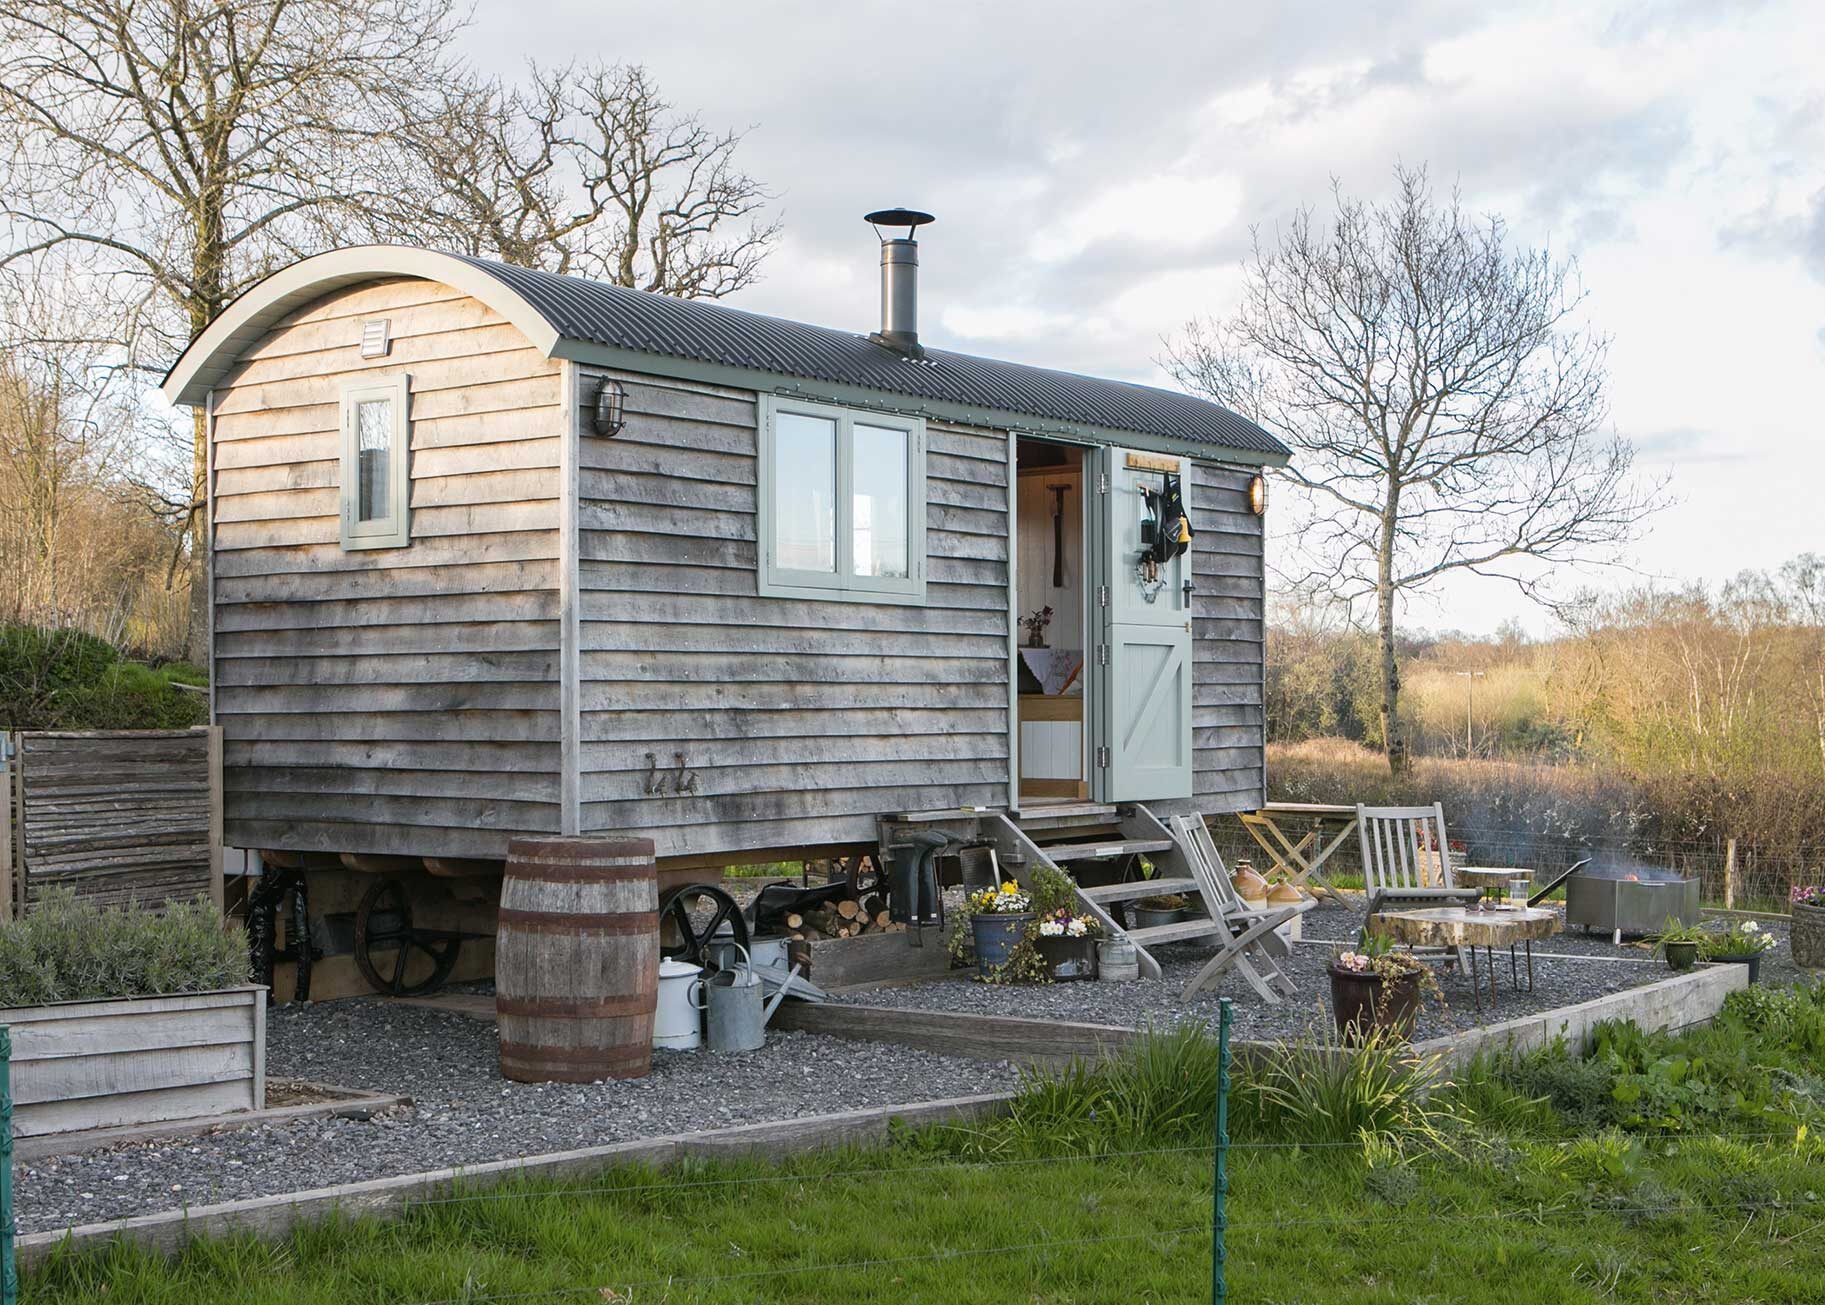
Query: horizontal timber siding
(799, 720)
(389, 700)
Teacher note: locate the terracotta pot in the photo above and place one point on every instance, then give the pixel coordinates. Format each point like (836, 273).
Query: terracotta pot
(1250, 886)
(1360, 1002)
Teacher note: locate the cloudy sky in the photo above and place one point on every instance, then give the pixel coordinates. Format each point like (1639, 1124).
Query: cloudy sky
(1096, 169)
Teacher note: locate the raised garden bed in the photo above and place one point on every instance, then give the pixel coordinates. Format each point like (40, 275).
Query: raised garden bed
(137, 1060)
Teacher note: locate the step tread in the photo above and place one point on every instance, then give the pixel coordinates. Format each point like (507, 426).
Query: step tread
(1134, 888)
(1163, 933)
(1105, 850)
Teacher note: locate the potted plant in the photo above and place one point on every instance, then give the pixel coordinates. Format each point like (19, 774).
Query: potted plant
(1067, 943)
(1808, 939)
(1743, 944)
(1680, 943)
(1035, 623)
(998, 924)
(1375, 986)
(1151, 912)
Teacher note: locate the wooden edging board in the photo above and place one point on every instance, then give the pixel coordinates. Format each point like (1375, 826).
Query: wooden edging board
(275, 1216)
(345, 1105)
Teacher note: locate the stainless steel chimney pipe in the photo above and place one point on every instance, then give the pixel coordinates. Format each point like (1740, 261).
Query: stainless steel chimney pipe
(900, 295)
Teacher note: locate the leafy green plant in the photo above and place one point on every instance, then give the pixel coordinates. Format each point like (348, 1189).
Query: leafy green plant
(65, 679)
(1744, 938)
(69, 949)
(1378, 1093)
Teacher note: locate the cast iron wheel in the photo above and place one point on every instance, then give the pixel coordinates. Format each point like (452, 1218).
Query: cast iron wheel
(384, 920)
(697, 911)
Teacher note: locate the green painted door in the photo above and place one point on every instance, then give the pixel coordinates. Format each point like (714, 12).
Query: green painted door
(1140, 667)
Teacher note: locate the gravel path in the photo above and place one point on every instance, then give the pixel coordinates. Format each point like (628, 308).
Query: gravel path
(1568, 968)
(466, 1113)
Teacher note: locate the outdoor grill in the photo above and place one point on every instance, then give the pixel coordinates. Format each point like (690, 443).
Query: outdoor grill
(1629, 899)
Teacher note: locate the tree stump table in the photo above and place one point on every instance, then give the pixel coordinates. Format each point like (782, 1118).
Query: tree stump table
(1466, 929)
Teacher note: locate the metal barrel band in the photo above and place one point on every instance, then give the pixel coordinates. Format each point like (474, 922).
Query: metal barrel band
(608, 923)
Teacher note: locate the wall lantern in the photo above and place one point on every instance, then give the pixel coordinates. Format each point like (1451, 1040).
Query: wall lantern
(611, 401)
(1257, 495)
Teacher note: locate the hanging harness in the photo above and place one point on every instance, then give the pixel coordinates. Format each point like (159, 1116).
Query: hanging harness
(1166, 533)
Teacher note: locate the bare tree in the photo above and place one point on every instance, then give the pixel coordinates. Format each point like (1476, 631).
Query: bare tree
(1445, 407)
(589, 170)
(195, 146)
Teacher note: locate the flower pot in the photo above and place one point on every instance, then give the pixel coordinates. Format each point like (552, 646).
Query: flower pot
(996, 937)
(1809, 937)
(1360, 1002)
(1145, 917)
(1068, 958)
(1752, 959)
(1681, 955)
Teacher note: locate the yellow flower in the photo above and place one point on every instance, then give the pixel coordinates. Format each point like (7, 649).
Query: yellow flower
(1009, 886)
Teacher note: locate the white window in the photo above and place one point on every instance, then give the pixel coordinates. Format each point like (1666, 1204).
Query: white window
(842, 503)
(375, 482)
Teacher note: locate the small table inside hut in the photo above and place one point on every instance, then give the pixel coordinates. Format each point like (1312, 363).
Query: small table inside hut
(1304, 859)
(1466, 928)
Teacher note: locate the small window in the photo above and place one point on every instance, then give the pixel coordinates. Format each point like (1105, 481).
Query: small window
(374, 476)
(842, 503)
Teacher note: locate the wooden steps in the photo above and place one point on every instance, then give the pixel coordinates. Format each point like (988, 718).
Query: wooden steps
(1180, 932)
(1105, 851)
(1136, 888)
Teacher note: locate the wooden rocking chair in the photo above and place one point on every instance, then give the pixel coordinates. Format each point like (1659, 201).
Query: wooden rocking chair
(1254, 947)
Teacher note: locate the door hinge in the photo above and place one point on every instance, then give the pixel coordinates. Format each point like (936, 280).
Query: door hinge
(1102, 757)
(1102, 595)
(1102, 654)
(1102, 482)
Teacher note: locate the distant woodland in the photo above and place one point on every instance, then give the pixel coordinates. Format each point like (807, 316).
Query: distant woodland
(1664, 722)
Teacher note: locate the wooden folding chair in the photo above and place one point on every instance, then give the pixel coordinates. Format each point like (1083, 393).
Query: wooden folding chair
(1254, 947)
(1406, 860)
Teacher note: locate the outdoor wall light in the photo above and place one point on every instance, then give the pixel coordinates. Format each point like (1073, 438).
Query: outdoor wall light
(1257, 495)
(611, 402)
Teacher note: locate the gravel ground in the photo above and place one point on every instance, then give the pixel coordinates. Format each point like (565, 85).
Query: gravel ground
(1599, 968)
(466, 1113)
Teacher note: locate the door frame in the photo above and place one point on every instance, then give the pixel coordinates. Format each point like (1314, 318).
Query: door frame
(1085, 451)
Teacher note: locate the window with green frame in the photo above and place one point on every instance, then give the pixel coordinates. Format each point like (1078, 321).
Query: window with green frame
(842, 503)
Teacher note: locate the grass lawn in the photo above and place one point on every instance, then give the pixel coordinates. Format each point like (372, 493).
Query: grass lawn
(1547, 1224)
(1658, 1169)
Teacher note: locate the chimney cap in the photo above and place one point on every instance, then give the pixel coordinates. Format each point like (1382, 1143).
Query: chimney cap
(910, 218)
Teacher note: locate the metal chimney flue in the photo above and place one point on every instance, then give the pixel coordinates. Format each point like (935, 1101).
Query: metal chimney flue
(899, 280)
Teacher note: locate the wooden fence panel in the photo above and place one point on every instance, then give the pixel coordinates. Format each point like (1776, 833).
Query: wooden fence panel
(122, 816)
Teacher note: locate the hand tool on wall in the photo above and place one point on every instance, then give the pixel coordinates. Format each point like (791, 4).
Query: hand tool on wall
(1058, 535)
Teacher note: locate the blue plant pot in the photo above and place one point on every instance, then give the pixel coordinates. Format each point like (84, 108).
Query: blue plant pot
(996, 937)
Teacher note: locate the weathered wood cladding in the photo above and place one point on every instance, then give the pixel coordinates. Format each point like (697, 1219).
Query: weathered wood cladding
(1228, 610)
(391, 700)
(799, 721)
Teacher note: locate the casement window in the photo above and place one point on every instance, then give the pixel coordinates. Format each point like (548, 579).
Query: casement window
(842, 503)
(375, 474)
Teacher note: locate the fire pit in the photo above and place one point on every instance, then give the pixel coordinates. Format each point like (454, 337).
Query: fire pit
(1633, 899)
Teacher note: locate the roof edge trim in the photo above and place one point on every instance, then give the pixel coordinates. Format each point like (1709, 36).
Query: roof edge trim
(207, 358)
(760, 381)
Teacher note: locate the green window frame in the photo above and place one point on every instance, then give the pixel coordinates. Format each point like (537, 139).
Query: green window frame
(824, 548)
(376, 485)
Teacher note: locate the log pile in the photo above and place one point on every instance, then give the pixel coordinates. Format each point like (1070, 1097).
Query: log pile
(848, 918)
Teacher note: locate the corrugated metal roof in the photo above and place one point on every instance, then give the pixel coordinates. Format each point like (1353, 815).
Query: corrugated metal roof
(594, 312)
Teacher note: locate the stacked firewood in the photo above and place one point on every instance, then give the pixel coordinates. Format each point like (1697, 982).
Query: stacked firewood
(849, 918)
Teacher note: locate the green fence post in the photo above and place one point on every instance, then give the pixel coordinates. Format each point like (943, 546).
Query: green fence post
(9, 1273)
(1219, 1212)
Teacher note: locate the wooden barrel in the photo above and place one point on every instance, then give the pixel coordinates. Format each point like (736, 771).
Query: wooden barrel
(576, 967)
